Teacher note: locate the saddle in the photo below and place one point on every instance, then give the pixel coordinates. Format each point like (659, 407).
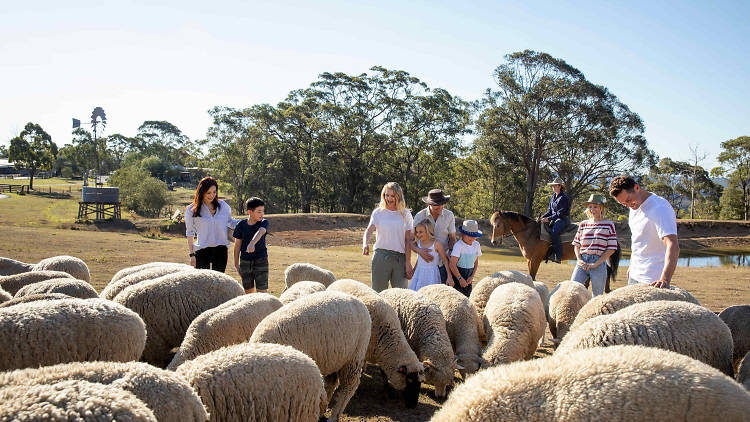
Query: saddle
(567, 235)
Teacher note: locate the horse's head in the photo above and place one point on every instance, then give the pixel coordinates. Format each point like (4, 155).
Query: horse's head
(498, 228)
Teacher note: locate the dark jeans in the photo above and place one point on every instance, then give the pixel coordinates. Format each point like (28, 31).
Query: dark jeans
(557, 227)
(213, 258)
(465, 273)
(443, 274)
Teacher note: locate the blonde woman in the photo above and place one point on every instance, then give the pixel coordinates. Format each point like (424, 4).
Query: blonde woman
(392, 223)
(594, 243)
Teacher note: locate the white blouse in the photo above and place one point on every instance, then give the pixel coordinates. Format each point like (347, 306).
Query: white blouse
(212, 230)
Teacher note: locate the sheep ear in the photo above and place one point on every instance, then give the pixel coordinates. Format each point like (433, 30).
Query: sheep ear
(402, 370)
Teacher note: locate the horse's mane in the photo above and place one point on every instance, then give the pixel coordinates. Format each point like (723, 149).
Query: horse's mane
(512, 215)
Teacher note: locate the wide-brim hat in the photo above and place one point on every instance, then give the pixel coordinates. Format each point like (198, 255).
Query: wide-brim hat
(557, 181)
(470, 228)
(596, 199)
(436, 197)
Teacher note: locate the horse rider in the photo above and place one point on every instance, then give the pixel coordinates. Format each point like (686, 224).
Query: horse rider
(557, 216)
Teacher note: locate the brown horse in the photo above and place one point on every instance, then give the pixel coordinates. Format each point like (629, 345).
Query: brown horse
(526, 231)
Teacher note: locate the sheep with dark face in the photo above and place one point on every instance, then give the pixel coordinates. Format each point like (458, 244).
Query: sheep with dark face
(388, 347)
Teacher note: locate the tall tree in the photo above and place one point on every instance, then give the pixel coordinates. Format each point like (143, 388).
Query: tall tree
(736, 156)
(119, 145)
(696, 157)
(545, 116)
(33, 150)
(166, 141)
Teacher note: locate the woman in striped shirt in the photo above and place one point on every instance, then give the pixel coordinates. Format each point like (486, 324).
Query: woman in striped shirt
(594, 243)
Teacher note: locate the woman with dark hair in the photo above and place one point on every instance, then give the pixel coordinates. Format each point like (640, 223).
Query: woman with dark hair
(210, 219)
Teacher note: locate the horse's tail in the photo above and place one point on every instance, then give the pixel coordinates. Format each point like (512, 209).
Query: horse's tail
(614, 264)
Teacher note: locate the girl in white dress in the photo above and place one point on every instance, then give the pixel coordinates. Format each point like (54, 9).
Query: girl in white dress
(426, 273)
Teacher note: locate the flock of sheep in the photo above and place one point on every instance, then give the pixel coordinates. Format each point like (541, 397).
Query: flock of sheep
(167, 342)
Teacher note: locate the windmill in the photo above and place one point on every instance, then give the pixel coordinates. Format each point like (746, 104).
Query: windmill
(98, 121)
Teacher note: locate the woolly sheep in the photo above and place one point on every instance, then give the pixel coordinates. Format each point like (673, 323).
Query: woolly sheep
(307, 272)
(13, 283)
(516, 317)
(68, 330)
(34, 298)
(621, 383)
(388, 347)
(5, 296)
(424, 327)
(332, 328)
(230, 323)
(299, 289)
(257, 382)
(681, 327)
(543, 291)
(67, 264)
(137, 268)
(66, 286)
(737, 319)
(743, 375)
(147, 272)
(482, 290)
(11, 266)
(72, 401)
(626, 296)
(169, 304)
(168, 395)
(566, 299)
(461, 323)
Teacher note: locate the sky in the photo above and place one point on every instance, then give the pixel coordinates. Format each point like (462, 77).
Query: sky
(682, 66)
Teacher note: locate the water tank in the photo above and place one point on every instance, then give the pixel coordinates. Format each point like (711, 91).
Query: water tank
(101, 195)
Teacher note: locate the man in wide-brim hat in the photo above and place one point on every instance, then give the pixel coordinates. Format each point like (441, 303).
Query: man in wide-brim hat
(444, 223)
(557, 216)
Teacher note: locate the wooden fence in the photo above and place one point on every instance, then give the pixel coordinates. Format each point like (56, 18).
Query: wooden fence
(4, 187)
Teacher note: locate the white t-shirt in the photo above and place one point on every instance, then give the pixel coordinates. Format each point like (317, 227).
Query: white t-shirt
(649, 224)
(466, 254)
(444, 226)
(390, 227)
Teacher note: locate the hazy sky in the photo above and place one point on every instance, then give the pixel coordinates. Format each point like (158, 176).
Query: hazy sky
(682, 67)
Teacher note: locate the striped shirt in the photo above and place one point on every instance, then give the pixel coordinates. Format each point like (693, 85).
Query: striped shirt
(594, 238)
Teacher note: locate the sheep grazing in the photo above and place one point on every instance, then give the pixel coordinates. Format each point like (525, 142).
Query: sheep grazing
(72, 401)
(482, 290)
(169, 304)
(333, 329)
(230, 323)
(307, 272)
(737, 319)
(543, 291)
(5, 296)
(168, 395)
(69, 330)
(67, 264)
(34, 298)
(299, 289)
(621, 383)
(626, 296)
(681, 327)
(388, 347)
(743, 375)
(566, 299)
(424, 327)
(13, 283)
(257, 382)
(11, 266)
(461, 323)
(516, 317)
(124, 279)
(66, 286)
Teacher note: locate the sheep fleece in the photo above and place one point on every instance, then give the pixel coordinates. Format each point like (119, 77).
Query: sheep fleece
(737, 319)
(13, 283)
(257, 382)
(68, 264)
(66, 286)
(48, 332)
(621, 383)
(299, 289)
(146, 272)
(309, 272)
(169, 396)
(681, 327)
(567, 298)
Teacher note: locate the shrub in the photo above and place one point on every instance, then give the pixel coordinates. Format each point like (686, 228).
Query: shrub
(140, 192)
(151, 196)
(66, 172)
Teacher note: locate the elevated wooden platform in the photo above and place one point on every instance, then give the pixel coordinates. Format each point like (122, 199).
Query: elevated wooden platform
(100, 211)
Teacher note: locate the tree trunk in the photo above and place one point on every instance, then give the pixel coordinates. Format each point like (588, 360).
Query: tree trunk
(31, 181)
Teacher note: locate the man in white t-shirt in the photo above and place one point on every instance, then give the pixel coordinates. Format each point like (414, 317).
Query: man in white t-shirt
(444, 223)
(653, 227)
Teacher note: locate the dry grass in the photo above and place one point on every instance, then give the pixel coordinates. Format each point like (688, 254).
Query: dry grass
(38, 226)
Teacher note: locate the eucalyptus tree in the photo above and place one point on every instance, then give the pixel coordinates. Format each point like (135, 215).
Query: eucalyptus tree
(33, 150)
(546, 117)
(166, 141)
(736, 157)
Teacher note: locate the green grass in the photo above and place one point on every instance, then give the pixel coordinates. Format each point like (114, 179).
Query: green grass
(41, 182)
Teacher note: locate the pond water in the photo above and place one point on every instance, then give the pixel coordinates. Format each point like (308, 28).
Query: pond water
(740, 260)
